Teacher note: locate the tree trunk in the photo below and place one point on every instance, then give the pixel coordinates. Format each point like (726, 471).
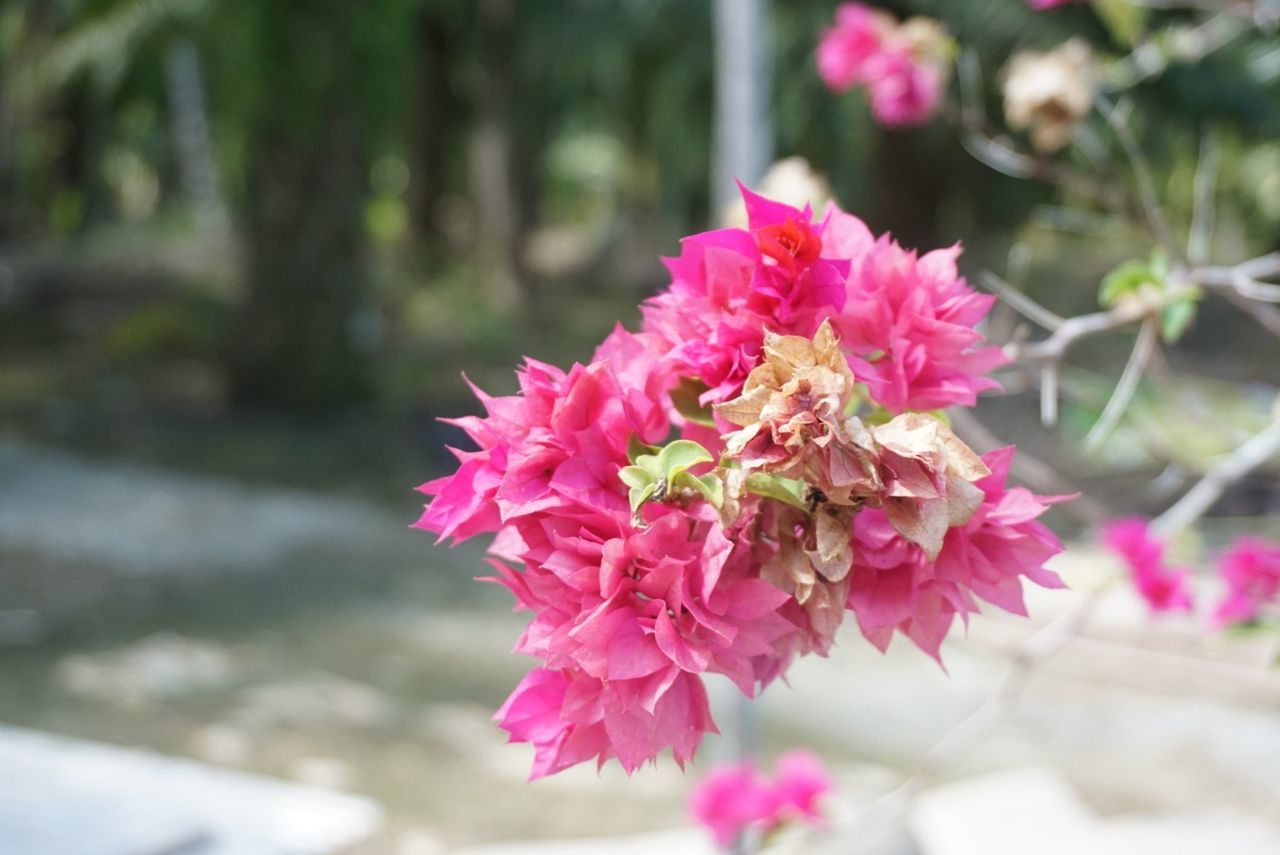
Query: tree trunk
(491, 158)
(434, 111)
(296, 344)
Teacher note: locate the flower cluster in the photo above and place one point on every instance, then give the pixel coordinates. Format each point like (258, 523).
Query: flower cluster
(902, 65)
(734, 799)
(1251, 571)
(1164, 588)
(711, 494)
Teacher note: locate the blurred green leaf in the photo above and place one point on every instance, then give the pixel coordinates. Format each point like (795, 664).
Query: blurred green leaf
(684, 397)
(1125, 21)
(782, 489)
(1176, 316)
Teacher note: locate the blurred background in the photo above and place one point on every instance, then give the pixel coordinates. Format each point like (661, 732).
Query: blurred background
(246, 251)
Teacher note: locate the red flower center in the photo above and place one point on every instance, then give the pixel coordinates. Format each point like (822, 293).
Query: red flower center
(789, 243)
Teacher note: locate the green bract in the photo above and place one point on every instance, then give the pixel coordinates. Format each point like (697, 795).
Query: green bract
(655, 476)
(786, 490)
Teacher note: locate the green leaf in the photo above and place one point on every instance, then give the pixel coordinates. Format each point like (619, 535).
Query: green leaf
(1124, 20)
(1128, 278)
(638, 496)
(636, 476)
(782, 489)
(1176, 316)
(709, 485)
(676, 457)
(684, 397)
(636, 447)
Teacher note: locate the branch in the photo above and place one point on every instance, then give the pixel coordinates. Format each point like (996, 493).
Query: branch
(1126, 386)
(1153, 58)
(1267, 316)
(1200, 238)
(1046, 318)
(1224, 472)
(1118, 117)
(1245, 278)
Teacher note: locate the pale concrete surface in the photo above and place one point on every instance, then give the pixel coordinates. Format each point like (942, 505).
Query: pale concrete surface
(61, 796)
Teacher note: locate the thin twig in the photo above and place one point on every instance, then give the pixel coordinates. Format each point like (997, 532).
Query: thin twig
(1151, 58)
(1224, 472)
(1245, 278)
(1266, 316)
(1118, 117)
(1200, 238)
(1126, 386)
(1030, 308)
(1049, 394)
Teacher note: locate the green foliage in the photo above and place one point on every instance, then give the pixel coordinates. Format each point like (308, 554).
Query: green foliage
(656, 477)
(1125, 21)
(188, 327)
(1132, 276)
(684, 397)
(1177, 315)
(786, 490)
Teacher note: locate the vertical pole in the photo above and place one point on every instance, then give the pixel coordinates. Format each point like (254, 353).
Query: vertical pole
(743, 148)
(743, 131)
(190, 130)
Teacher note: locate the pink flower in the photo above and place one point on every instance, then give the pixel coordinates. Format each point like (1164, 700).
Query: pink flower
(902, 65)
(904, 92)
(1251, 570)
(629, 606)
(845, 48)
(734, 798)
(909, 323)
(895, 587)
(1040, 5)
(728, 286)
(1164, 588)
(571, 717)
(731, 799)
(625, 619)
(557, 445)
(906, 321)
(799, 782)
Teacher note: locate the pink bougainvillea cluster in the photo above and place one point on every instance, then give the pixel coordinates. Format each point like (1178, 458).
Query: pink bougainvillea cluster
(902, 65)
(735, 799)
(1249, 571)
(713, 493)
(1164, 588)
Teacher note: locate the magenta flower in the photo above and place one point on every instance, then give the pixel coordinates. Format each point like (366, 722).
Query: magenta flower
(729, 285)
(1164, 588)
(895, 587)
(1040, 5)
(742, 549)
(845, 48)
(903, 66)
(1251, 570)
(734, 798)
(909, 324)
(800, 781)
(904, 92)
(731, 799)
